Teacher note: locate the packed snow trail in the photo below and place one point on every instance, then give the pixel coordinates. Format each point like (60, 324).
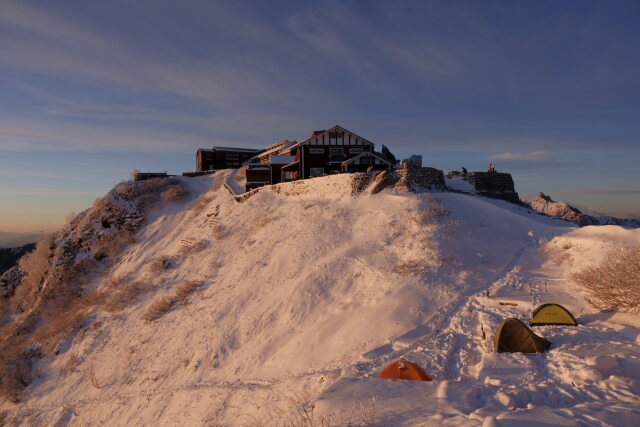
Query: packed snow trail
(306, 293)
(561, 387)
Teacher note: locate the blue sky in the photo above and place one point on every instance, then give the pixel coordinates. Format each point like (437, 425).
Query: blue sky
(547, 90)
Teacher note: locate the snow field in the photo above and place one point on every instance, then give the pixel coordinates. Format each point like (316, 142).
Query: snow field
(305, 294)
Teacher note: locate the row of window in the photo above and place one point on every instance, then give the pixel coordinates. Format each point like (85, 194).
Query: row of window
(313, 172)
(336, 151)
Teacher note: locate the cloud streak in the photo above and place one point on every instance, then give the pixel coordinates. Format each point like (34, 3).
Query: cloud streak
(69, 50)
(535, 156)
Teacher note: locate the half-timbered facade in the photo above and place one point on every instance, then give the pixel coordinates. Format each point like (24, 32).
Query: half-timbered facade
(325, 152)
(364, 162)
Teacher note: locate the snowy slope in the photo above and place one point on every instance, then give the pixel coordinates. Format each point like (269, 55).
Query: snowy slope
(305, 294)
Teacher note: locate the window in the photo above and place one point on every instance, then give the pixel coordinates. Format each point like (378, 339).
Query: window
(334, 135)
(316, 150)
(367, 160)
(336, 152)
(356, 150)
(316, 172)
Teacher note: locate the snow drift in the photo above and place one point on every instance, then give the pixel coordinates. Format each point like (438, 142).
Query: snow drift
(282, 310)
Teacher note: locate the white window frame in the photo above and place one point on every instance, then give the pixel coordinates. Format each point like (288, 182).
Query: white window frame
(356, 150)
(336, 151)
(367, 160)
(313, 172)
(316, 150)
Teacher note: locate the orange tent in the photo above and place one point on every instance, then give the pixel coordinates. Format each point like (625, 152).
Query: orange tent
(404, 370)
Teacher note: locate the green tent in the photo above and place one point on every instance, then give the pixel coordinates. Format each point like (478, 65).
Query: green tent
(552, 314)
(513, 336)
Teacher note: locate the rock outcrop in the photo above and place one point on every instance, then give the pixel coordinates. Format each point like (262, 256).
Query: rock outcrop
(495, 185)
(422, 177)
(544, 204)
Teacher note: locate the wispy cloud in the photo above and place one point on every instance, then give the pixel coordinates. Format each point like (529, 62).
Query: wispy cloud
(26, 134)
(535, 156)
(43, 42)
(348, 40)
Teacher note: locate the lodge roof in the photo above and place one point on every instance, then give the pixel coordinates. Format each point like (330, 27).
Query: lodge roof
(366, 153)
(281, 159)
(240, 150)
(282, 145)
(315, 134)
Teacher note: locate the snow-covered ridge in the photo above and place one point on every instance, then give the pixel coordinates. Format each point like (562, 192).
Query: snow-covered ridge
(298, 298)
(333, 186)
(544, 204)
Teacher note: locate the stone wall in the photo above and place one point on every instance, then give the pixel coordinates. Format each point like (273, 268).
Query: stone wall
(494, 184)
(362, 180)
(428, 178)
(200, 173)
(334, 185)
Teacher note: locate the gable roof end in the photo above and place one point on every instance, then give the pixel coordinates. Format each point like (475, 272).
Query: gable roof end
(366, 153)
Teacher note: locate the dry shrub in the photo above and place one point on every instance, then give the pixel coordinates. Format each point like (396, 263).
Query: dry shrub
(201, 203)
(556, 254)
(111, 246)
(408, 268)
(93, 378)
(217, 231)
(70, 365)
(173, 193)
(160, 264)
(185, 289)
(164, 303)
(431, 210)
(119, 293)
(558, 250)
(151, 190)
(55, 324)
(158, 308)
(51, 300)
(193, 248)
(35, 264)
(614, 282)
(17, 370)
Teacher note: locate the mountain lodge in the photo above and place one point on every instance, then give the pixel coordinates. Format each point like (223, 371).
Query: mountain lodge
(325, 152)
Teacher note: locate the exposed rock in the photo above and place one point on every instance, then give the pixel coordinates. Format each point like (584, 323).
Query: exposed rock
(383, 180)
(423, 177)
(495, 185)
(544, 204)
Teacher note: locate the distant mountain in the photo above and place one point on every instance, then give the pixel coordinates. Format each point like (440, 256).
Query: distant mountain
(14, 240)
(9, 256)
(544, 204)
